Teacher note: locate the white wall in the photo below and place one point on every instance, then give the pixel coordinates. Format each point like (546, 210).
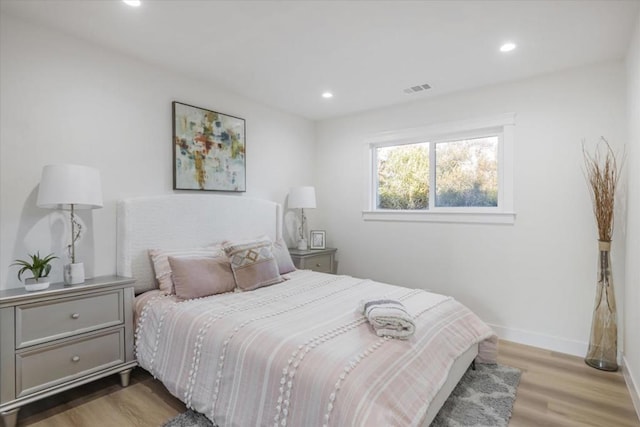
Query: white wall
(632, 289)
(535, 280)
(65, 100)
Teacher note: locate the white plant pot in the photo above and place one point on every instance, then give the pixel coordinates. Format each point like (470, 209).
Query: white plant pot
(35, 285)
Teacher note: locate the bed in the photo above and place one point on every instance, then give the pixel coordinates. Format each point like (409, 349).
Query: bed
(295, 353)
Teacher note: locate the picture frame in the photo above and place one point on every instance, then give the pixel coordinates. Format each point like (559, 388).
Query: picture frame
(317, 239)
(209, 150)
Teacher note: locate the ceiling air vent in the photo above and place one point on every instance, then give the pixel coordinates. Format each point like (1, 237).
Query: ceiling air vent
(419, 88)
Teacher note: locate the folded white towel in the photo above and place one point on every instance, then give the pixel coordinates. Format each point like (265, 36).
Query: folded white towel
(388, 318)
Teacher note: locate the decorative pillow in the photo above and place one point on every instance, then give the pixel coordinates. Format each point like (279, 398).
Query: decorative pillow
(253, 263)
(283, 258)
(162, 269)
(195, 277)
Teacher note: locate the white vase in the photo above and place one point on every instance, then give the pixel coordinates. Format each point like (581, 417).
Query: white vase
(302, 245)
(36, 284)
(74, 273)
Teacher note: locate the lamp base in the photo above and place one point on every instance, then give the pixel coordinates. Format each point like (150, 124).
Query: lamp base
(74, 273)
(302, 245)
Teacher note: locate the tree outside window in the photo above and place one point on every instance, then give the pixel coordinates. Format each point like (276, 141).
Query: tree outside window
(466, 174)
(403, 177)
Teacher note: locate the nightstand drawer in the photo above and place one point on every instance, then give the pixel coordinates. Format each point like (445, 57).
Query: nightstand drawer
(45, 321)
(320, 260)
(47, 366)
(320, 263)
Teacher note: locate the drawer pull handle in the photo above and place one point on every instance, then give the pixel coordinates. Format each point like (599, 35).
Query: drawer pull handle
(75, 359)
(75, 315)
(318, 265)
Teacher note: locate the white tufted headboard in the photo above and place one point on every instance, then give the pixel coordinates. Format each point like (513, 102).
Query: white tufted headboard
(181, 221)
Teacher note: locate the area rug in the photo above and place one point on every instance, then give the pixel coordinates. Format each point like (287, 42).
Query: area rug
(483, 398)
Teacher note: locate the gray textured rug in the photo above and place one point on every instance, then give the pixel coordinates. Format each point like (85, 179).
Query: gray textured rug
(483, 398)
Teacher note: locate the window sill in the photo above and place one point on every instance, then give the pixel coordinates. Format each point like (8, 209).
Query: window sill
(451, 217)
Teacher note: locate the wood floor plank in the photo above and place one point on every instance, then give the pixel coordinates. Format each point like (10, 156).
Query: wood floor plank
(561, 390)
(556, 390)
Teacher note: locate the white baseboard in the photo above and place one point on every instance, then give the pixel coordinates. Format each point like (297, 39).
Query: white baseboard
(548, 342)
(634, 388)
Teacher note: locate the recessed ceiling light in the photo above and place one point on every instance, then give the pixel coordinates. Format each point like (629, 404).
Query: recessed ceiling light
(132, 3)
(327, 95)
(507, 47)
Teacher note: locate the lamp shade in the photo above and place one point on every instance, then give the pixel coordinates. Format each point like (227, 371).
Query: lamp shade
(64, 185)
(302, 197)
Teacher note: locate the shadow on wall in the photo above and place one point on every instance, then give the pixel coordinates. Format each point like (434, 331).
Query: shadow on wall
(291, 224)
(290, 229)
(49, 231)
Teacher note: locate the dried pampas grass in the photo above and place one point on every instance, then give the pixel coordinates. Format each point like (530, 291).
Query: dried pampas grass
(602, 171)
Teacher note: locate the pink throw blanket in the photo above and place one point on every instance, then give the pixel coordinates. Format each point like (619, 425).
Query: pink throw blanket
(297, 353)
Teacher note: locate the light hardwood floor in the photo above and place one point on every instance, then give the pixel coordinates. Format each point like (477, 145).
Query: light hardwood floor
(555, 390)
(561, 390)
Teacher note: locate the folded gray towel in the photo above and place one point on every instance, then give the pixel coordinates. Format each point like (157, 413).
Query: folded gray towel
(388, 318)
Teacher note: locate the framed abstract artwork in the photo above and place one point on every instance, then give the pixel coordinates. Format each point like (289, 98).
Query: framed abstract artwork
(208, 150)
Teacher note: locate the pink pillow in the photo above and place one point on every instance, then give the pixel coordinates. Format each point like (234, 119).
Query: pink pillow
(201, 277)
(162, 269)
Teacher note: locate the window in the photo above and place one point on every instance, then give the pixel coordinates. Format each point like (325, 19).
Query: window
(402, 176)
(456, 172)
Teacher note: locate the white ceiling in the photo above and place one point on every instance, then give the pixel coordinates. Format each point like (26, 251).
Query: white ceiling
(286, 53)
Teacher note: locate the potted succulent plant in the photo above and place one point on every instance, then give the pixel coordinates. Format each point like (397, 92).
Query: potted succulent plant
(39, 268)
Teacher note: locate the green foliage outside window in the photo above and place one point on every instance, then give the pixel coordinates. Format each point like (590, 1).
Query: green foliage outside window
(403, 177)
(466, 175)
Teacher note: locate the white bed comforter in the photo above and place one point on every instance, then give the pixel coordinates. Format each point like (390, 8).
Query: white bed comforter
(300, 354)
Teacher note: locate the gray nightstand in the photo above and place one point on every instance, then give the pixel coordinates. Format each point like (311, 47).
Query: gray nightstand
(322, 260)
(61, 337)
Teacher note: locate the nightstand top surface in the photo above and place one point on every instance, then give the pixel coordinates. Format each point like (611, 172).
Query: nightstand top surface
(311, 252)
(59, 288)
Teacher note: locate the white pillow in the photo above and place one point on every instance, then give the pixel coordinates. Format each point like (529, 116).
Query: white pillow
(283, 257)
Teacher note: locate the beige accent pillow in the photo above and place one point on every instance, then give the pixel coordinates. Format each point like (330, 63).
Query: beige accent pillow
(196, 277)
(253, 263)
(279, 249)
(162, 269)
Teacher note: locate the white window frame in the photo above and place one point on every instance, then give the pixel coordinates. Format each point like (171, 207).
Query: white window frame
(502, 126)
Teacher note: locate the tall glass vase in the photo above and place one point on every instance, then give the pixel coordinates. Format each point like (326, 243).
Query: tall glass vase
(603, 344)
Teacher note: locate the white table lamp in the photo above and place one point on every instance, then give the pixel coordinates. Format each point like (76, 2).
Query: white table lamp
(71, 187)
(302, 198)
